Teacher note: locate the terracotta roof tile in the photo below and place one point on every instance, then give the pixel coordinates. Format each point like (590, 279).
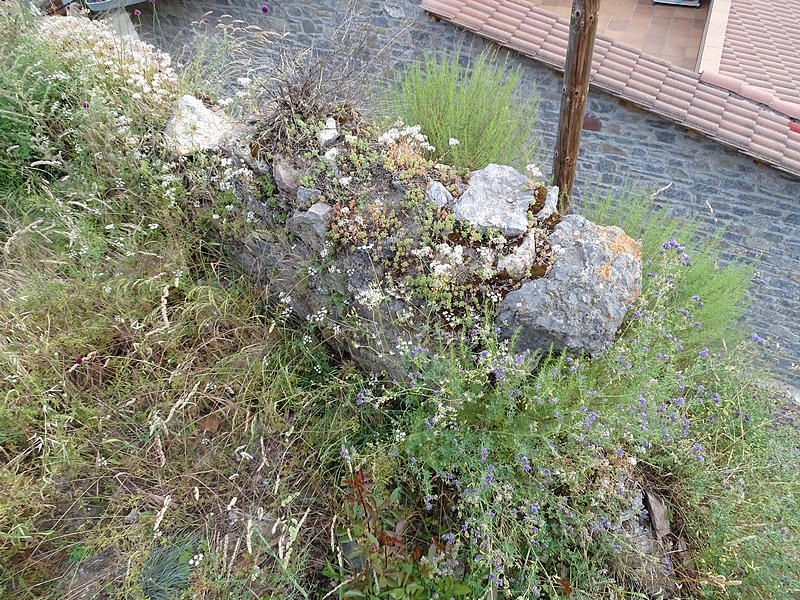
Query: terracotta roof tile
(728, 126)
(530, 36)
(674, 83)
(607, 81)
(509, 18)
(643, 83)
(498, 34)
(642, 98)
(724, 81)
(742, 115)
(477, 5)
(711, 94)
(762, 46)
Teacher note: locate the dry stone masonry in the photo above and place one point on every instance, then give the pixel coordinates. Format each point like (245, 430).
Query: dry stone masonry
(566, 287)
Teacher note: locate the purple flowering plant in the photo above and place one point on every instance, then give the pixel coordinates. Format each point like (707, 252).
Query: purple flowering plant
(546, 462)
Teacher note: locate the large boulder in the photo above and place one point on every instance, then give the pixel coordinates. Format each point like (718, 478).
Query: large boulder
(580, 304)
(194, 127)
(497, 196)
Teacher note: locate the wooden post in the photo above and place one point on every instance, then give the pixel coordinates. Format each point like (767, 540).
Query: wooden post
(582, 29)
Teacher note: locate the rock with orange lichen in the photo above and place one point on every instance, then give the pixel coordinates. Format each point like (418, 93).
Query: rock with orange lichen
(580, 304)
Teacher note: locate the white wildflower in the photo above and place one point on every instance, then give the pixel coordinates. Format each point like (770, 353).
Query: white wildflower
(534, 172)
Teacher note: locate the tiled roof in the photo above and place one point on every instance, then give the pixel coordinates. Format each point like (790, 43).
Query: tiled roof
(762, 46)
(754, 128)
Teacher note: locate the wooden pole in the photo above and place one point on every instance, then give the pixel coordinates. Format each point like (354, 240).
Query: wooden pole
(582, 29)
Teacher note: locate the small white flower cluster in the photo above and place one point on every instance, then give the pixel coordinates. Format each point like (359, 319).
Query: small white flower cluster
(447, 257)
(230, 174)
(372, 296)
(286, 300)
(487, 257)
(534, 171)
(318, 317)
(196, 559)
(408, 134)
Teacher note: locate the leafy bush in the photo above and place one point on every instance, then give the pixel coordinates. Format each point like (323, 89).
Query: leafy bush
(718, 296)
(481, 107)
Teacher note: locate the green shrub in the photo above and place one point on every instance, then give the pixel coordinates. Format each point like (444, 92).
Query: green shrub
(718, 296)
(481, 107)
(517, 478)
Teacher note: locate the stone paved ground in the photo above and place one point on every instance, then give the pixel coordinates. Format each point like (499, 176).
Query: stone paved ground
(759, 206)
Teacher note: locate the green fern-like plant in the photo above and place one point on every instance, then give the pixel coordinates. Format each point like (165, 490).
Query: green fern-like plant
(480, 105)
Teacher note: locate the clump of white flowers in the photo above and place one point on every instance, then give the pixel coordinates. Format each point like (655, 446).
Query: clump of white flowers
(535, 175)
(409, 135)
(196, 559)
(446, 258)
(127, 63)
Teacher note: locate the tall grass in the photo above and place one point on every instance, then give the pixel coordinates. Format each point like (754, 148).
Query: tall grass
(480, 105)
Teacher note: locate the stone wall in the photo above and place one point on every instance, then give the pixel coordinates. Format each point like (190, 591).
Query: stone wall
(757, 205)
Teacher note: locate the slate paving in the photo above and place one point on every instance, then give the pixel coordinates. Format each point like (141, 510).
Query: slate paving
(759, 207)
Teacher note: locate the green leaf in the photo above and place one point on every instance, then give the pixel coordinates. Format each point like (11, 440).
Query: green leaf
(459, 589)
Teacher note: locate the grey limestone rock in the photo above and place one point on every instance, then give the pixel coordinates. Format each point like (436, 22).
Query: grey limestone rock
(194, 127)
(437, 194)
(285, 174)
(311, 225)
(331, 155)
(550, 203)
(497, 196)
(329, 134)
(306, 196)
(523, 256)
(580, 304)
